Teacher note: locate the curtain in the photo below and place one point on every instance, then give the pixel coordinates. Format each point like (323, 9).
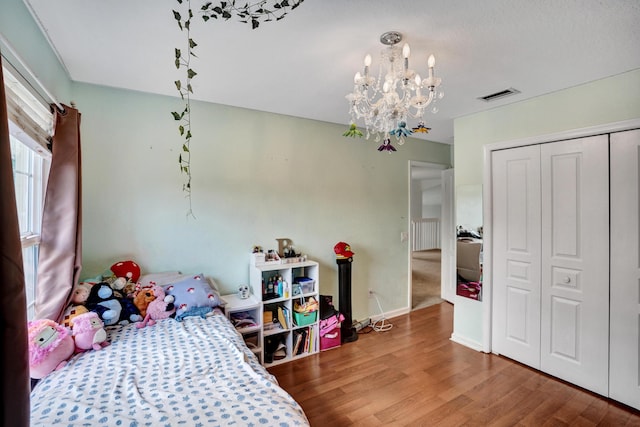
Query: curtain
(13, 302)
(60, 257)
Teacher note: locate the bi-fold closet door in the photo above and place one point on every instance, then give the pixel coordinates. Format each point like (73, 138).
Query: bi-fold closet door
(624, 379)
(550, 222)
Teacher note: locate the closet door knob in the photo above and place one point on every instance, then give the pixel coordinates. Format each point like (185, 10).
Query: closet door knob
(567, 279)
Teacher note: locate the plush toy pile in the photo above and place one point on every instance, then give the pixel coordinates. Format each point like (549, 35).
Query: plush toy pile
(110, 295)
(117, 297)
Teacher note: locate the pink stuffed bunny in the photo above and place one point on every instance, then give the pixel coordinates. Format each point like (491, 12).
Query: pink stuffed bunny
(161, 307)
(88, 332)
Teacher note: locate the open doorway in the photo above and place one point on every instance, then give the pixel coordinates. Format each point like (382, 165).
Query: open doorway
(428, 204)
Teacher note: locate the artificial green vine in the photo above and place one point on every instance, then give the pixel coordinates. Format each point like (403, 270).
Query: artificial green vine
(253, 13)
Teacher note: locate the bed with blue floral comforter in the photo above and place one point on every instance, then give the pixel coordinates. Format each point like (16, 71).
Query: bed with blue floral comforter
(197, 372)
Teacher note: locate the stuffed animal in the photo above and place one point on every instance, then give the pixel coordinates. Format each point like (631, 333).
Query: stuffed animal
(127, 269)
(71, 312)
(129, 289)
(161, 307)
(117, 284)
(88, 332)
(79, 295)
(50, 346)
(130, 312)
(142, 298)
(112, 310)
(101, 300)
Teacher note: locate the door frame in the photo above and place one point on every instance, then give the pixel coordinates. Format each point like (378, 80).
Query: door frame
(487, 201)
(428, 165)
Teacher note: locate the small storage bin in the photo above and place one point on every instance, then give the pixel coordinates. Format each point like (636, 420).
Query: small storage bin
(331, 339)
(306, 284)
(304, 319)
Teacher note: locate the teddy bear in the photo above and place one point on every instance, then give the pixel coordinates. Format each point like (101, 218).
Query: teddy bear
(50, 346)
(88, 332)
(79, 295)
(112, 310)
(142, 298)
(161, 307)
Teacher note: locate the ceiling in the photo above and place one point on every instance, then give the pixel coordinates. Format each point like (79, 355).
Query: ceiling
(303, 65)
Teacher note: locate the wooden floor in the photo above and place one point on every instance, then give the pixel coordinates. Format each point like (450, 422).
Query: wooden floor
(413, 375)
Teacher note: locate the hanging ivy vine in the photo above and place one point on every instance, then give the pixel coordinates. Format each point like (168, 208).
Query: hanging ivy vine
(249, 13)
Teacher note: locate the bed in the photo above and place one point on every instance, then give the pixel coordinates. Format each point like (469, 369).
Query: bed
(194, 372)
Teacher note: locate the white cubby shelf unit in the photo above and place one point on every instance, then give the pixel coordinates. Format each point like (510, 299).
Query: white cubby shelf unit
(268, 323)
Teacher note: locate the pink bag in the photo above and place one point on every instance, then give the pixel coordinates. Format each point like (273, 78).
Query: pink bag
(328, 324)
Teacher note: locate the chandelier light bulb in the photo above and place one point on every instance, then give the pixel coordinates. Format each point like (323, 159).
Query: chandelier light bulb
(432, 61)
(367, 60)
(406, 50)
(357, 78)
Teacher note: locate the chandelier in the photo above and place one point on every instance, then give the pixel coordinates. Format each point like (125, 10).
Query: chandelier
(386, 103)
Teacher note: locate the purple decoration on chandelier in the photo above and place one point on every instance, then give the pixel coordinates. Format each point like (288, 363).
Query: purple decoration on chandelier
(386, 146)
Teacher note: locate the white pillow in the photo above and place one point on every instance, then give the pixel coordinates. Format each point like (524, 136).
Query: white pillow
(161, 279)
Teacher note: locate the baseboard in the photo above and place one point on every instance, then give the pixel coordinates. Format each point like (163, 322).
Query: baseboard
(466, 342)
(390, 314)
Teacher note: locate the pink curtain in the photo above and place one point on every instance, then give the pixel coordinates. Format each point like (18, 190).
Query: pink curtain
(60, 257)
(15, 353)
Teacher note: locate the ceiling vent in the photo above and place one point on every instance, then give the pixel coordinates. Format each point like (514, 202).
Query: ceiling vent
(499, 95)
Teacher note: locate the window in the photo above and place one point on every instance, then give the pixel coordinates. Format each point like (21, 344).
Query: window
(30, 161)
(29, 170)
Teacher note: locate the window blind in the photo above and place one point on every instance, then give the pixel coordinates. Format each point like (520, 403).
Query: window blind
(29, 114)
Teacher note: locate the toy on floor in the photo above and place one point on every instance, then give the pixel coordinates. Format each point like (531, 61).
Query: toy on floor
(161, 307)
(88, 332)
(50, 346)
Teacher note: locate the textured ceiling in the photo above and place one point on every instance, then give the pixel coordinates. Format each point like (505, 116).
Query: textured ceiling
(303, 65)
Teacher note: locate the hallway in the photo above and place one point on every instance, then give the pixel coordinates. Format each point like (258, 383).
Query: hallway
(425, 278)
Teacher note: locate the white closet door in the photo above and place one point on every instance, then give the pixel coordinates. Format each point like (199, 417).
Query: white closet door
(516, 253)
(624, 381)
(575, 261)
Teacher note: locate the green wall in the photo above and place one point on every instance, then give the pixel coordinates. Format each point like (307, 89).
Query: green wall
(256, 177)
(25, 37)
(604, 101)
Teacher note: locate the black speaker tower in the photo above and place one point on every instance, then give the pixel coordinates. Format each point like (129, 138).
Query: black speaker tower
(347, 331)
